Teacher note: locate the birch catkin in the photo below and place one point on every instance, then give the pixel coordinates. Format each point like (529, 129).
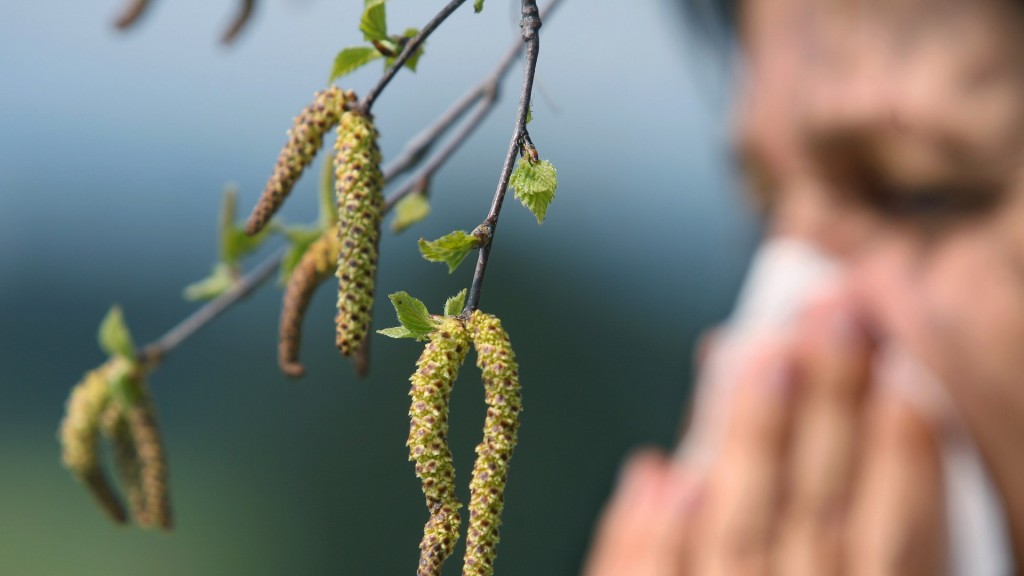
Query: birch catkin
(436, 371)
(152, 464)
(317, 264)
(126, 459)
(497, 362)
(304, 140)
(80, 442)
(358, 183)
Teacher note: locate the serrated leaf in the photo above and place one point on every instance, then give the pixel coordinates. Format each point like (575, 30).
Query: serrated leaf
(535, 185)
(413, 314)
(450, 248)
(300, 239)
(114, 337)
(397, 332)
(374, 23)
(455, 304)
(410, 210)
(478, 5)
(220, 280)
(352, 58)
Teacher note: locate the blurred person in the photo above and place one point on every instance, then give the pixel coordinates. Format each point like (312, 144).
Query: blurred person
(889, 136)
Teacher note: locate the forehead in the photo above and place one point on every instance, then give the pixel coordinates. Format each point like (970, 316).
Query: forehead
(920, 81)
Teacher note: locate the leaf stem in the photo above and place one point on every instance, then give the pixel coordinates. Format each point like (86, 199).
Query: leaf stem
(530, 25)
(410, 48)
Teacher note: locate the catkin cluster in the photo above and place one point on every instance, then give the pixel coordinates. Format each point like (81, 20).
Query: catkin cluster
(318, 264)
(304, 140)
(497, 363)
(358, 184)
(130, 426)
(436, 371)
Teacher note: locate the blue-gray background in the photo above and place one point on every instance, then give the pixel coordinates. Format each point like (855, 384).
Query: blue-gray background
(114, 150)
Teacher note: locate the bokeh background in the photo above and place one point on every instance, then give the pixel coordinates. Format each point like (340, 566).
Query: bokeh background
(114, 150)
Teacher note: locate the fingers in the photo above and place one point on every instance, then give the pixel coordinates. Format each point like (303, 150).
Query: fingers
(834, 355)
(898, 522)
(746, 483)
(646, 530)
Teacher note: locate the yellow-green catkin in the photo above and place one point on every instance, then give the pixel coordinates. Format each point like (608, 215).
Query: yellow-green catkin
(126, 459)
(149, 450)
(304, 140)
(500, 373)
(436, 371)
(79, 437)
(358, 183)
(317, 265)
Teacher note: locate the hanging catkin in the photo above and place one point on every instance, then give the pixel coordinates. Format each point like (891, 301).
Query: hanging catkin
(358, 183)
(304, 140)
(149, 450)
(497, 363)
(126, 459)
(79, 440)
(436, 371)
(317, 264)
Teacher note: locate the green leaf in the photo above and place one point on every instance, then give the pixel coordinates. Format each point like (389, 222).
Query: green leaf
(478, 5)
(301, 238)
(114, 337)
(535, 185)
(413, 315)
(413, 60)
(374, 21)
(124, 386)
(450, 249)
(234, 242)
(529, 114)
(328, 210)
(455, 304)
(219, 281)
(351, 59)
(410, 210)
(397, 332)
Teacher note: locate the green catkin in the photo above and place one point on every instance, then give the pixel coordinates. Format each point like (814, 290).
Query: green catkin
(80, 442)
(304, 140)
(436, 371)
(149, 449)
(497, 362)
(317, 265)
(358, 183)
(126, 459)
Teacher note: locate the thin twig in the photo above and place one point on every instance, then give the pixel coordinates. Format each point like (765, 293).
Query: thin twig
(239, 21)
(530, 25)
(487, 89)
(410, 48)
(417, 148)
(155, 351)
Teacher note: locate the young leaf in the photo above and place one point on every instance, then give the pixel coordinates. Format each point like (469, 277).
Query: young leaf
(300, 239)
(455, 304)
(409, 211)
(352, 58)
(374, 22)
(413, 315)
(415, 58)
(114, 336)
(529, 114)
(218, 282)
(397, 332)
(327, 213)
(535, 185)
(235, 242)
(124, 385)
(450, 249)
(478, 5)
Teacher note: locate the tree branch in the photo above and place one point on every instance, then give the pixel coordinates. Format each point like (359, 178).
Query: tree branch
(530, 24)
(413, 152)
(410, 48)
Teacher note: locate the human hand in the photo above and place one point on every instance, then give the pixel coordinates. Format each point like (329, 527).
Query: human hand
(819, 474)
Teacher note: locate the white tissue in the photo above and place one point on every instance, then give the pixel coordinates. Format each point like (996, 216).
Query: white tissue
(783, 277)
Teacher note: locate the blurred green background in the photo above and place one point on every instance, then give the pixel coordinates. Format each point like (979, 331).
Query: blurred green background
(114, 150)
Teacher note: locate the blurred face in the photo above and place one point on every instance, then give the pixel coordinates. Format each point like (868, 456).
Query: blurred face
(891, 132)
